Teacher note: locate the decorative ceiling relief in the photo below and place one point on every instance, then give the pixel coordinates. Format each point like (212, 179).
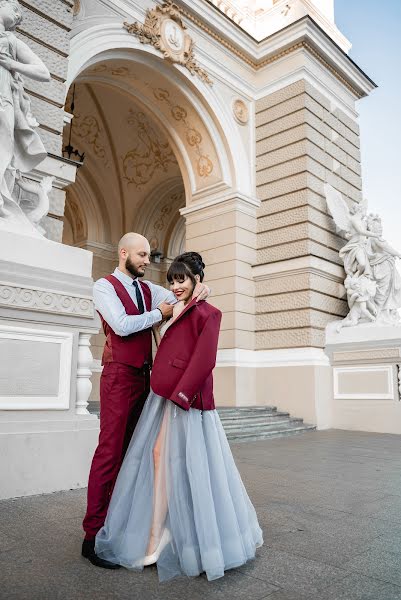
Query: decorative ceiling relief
(117, 71)
(88, 129)
(151, 153)
(162, 219)
(193, 137)
(173, 109)
(165, 30)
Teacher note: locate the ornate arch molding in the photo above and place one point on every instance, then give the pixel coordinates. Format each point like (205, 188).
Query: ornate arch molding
(86, 201)
(176, 239)
(159, 214)
(76, 218)
(95, 45)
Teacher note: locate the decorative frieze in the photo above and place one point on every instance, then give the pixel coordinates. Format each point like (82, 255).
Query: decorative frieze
(40, 299)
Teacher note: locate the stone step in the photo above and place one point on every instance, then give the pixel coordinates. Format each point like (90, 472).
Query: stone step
(251, 415)
(256, 422)
(272, 433)
(244, 410)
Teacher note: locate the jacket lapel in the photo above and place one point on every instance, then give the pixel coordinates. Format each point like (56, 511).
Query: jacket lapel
(188, 307)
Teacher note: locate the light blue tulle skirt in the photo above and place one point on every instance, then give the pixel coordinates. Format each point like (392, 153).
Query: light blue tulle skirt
(179, 486)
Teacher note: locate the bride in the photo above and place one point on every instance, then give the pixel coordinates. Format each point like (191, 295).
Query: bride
(179, 500)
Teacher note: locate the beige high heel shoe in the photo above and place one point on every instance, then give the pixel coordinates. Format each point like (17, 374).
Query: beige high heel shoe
(151, 559)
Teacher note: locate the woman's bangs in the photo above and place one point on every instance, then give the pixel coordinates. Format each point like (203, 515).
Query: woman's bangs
(178, 271)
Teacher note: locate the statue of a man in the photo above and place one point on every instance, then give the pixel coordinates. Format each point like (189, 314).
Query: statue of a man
(21, 148)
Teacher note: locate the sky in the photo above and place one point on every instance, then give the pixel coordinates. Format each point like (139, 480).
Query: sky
(374, 29)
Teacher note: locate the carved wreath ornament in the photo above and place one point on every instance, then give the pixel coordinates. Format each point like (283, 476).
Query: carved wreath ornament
(165, 30)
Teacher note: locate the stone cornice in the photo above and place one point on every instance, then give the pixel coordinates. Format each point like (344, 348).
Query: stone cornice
(206, 22)
(221, 204)
(304, 33)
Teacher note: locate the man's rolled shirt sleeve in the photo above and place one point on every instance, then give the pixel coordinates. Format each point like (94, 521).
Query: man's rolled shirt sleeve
(113, 312)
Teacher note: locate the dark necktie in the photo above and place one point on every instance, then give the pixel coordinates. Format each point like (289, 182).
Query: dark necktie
(139, 300)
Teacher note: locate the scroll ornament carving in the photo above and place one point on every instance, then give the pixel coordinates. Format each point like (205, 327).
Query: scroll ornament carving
(21, 149)
(165, 30)
(204, 164)
(43, 300)
(88, 129)
(116, 71)
(148, 155)
(372, 281)
(161, 219)
(194, 138)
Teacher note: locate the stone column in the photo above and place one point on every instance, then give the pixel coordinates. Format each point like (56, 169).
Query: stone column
(224, 232)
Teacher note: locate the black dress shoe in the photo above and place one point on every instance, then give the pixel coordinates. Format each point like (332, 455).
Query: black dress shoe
(88, 551)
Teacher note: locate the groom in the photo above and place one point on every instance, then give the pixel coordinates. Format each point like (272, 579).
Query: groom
(128, 309)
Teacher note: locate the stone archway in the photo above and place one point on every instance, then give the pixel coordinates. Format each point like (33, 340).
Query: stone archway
(158, 161)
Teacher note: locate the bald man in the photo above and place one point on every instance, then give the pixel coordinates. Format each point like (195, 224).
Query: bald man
(128, 309)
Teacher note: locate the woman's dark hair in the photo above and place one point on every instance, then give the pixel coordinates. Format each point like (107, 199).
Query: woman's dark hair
(186, 265)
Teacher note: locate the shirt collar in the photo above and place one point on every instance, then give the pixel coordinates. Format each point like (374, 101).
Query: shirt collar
(126, 279)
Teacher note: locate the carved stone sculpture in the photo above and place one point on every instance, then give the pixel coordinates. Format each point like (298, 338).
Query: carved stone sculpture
(372, 281)
(165, 30)
(388, 281)
(21, 148)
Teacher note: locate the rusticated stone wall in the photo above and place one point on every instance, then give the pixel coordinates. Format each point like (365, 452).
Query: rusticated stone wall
(45, 29)
(302, 142)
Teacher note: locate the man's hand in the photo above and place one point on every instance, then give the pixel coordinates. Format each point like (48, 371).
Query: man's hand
(166, 309)
(201, 292)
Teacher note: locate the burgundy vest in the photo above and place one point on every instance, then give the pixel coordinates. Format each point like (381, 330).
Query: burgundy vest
(134, 349)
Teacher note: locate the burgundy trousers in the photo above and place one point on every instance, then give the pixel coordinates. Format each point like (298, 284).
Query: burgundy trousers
(123, 391)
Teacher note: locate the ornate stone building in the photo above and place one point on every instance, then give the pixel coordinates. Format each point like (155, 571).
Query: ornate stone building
(210, 125)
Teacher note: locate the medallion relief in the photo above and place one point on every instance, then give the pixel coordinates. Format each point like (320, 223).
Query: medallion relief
(165, 30)
(241, 111)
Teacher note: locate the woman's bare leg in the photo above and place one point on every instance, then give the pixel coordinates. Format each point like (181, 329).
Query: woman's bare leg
(159, 488)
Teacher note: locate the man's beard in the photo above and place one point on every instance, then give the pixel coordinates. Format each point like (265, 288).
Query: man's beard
(132, 269)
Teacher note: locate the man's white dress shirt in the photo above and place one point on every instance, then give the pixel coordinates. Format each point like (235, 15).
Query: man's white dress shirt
(113, 312)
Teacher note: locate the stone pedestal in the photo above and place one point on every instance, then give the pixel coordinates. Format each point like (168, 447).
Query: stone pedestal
(47, 436)
(366, 377)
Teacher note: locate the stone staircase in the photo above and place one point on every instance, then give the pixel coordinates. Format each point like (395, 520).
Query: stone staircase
(247, 424)
(251, 423)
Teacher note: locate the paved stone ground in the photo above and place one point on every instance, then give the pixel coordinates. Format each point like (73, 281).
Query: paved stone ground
(329, 504)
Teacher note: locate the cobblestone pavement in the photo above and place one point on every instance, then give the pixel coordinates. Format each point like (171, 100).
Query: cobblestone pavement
(329, 504)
